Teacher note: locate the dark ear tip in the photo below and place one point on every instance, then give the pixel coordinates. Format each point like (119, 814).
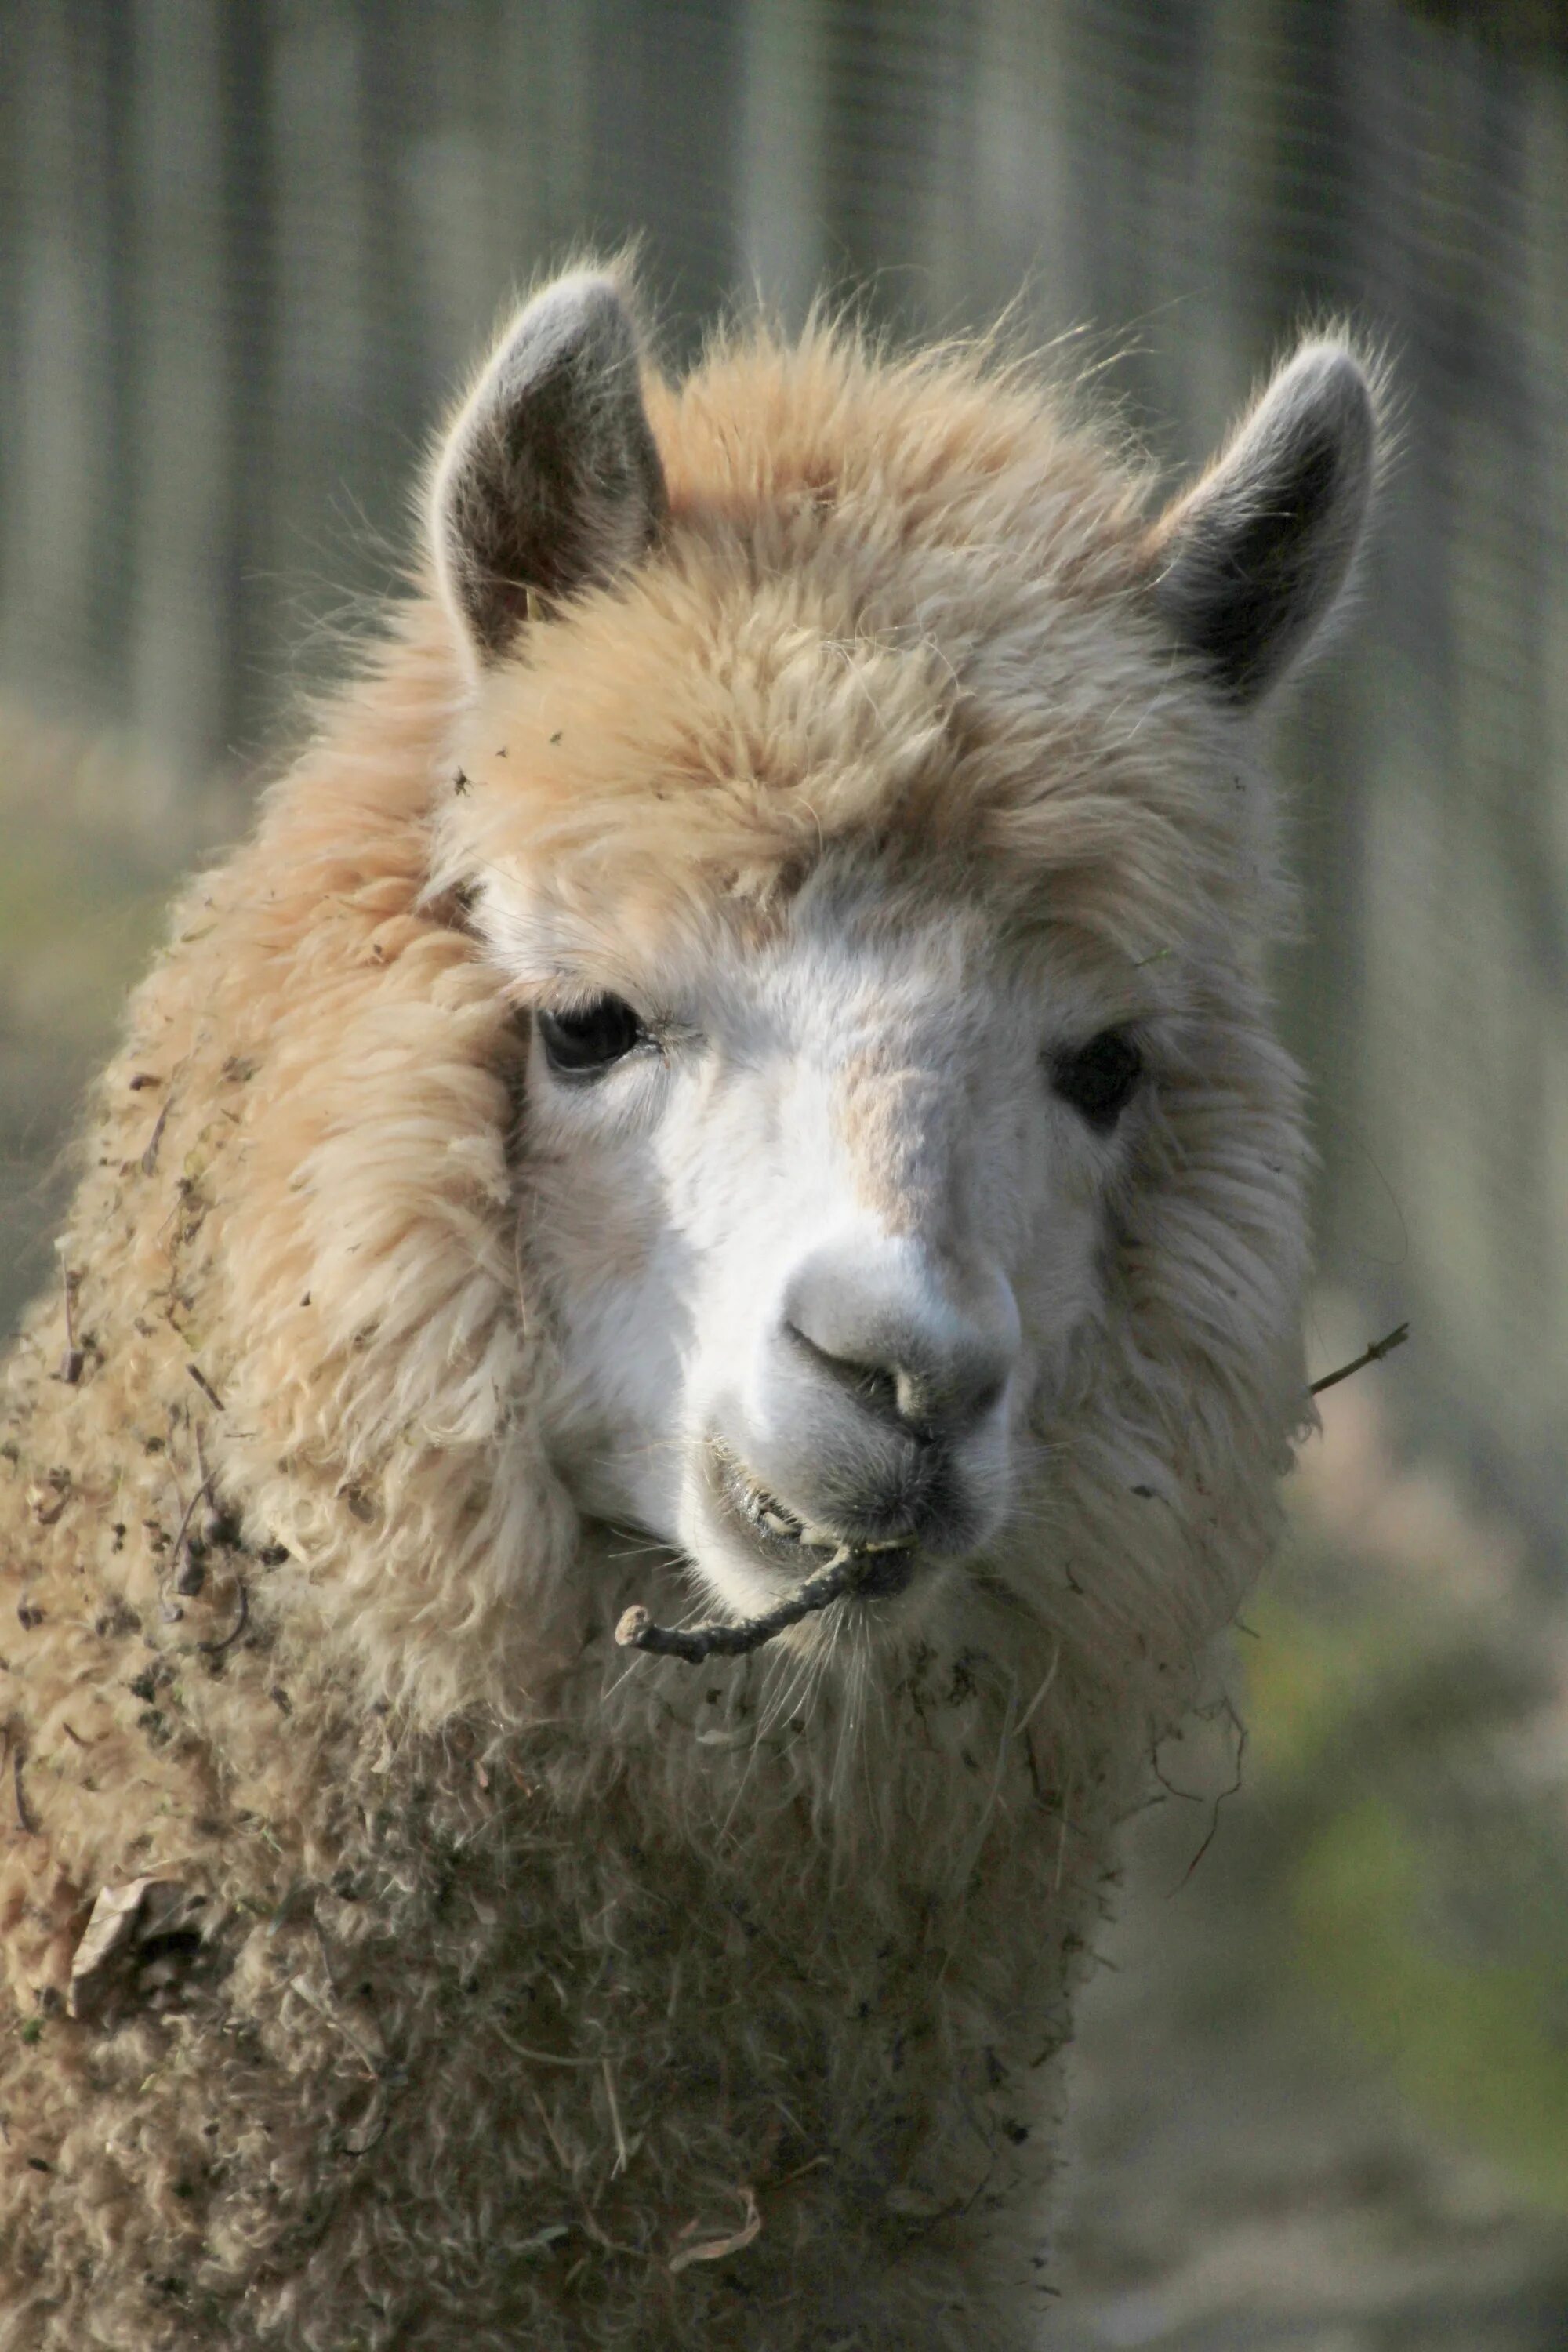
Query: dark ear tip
(1337, 396)
(1332, 382)
(583, 319)
(585, 306)
(1334, 368)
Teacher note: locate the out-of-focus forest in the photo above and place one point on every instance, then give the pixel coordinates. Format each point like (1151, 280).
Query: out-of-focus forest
(247, 250)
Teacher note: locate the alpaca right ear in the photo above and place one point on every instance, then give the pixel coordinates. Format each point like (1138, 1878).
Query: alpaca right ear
(549, 482)
(1247, 564)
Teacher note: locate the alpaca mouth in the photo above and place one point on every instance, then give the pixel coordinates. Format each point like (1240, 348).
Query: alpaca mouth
(838, 1569)
(765, 1512)
(885, 1563)
(743, 1497)
(782, 1534)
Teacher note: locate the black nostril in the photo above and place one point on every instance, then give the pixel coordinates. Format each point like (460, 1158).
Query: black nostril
(922, 1401)
(923, 1349)
(930, 1403)
(983, 1399)
(872, 1385)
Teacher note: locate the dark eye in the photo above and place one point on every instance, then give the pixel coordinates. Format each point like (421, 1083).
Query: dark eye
(1099, 1080)
(591, 1036)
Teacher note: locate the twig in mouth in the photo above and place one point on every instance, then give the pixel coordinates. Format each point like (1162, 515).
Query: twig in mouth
(1372, 1355)
(843, 1573)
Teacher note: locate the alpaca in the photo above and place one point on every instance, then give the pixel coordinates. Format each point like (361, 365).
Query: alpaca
(739, 1054)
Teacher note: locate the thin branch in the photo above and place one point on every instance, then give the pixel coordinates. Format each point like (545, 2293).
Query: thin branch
(1187, 1796)
(150, 1157)
(23, 1811)
(1233, 1790)
(1372, 1355)
(204, 1489)
(226, 1641)
(73, 1362)
(845, 1572)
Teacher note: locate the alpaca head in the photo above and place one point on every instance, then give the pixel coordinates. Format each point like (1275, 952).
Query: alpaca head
(856, 795)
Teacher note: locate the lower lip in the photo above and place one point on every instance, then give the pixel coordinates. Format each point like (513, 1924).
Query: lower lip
(884, 1573)
(734, 1487)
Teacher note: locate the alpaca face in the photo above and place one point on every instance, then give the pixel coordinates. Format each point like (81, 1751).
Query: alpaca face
(854, 791)
(821, 1220)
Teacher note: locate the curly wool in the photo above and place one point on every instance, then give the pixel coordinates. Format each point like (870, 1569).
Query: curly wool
(535, 1994)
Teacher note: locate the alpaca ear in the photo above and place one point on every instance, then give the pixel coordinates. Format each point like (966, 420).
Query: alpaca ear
(1248, 562)
(549, 482)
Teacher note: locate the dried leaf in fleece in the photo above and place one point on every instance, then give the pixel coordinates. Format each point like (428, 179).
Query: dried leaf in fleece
(139, 1940)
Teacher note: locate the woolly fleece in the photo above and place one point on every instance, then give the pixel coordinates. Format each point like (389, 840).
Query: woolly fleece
(520, 1993)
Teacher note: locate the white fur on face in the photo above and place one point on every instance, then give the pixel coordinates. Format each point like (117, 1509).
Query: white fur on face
(830, 1234)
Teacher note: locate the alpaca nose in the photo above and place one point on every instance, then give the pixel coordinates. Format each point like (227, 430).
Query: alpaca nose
(922, 1348)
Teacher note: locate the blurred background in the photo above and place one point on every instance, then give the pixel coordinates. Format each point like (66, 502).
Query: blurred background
(247, 250)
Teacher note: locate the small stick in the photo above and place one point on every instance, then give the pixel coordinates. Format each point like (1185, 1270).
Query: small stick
(718, 1638)
(150, 1157)
(1372, 1355)
(204, 1489)
(23, 1811)
(205, 1387)
(226, 1641)
(1233, 1790)
(74, 1360)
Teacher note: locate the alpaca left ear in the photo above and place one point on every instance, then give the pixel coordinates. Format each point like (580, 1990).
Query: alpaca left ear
(1247, 564)
(549, 482)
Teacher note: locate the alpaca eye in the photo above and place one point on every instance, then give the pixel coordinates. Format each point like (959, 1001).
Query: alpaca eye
(1099, 1080)
(591, 1036)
